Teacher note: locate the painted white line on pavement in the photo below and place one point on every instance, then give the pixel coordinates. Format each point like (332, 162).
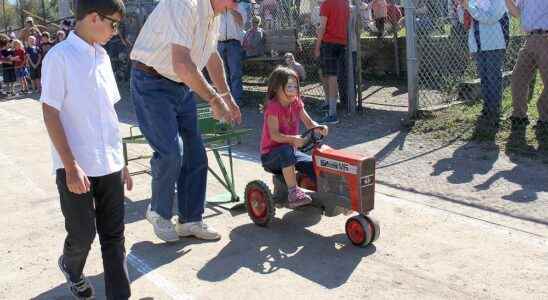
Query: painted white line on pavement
(147, 272)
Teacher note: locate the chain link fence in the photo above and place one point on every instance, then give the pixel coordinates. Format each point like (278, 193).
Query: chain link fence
(469, 54)
(290, 26)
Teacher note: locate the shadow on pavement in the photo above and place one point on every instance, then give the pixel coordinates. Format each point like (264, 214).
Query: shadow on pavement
(529, 187)
(465, 164)
(287, 245)
(156, 255)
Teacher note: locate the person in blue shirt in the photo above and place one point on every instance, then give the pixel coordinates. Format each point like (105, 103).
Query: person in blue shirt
(487, 40)
(34, 58)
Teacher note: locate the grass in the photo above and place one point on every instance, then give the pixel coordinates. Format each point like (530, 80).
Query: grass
(459, 122)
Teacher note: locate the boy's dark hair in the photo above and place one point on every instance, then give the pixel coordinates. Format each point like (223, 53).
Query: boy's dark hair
(102, 7)
(278, 79)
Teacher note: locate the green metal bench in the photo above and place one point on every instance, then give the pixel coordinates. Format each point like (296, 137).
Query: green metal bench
(217, 137)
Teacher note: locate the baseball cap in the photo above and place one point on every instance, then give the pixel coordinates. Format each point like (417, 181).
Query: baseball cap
(29, 19)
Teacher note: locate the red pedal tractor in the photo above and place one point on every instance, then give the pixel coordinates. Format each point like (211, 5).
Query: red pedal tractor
(345, 182)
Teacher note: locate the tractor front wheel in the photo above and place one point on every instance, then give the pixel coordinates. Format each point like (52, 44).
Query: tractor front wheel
(259, 203)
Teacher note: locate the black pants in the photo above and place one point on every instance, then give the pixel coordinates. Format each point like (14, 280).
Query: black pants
(100, 210)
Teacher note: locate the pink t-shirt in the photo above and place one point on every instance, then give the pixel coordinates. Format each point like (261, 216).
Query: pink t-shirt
(288, 122)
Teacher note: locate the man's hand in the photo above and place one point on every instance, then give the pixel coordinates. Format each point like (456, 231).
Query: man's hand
(298, 141)
(220, 110)
(126, 179)
(77, 181)
(235, 113)
(323, 130)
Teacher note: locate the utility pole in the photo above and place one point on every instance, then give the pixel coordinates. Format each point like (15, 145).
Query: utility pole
(64, 9)
(44, 14)
(4, 17)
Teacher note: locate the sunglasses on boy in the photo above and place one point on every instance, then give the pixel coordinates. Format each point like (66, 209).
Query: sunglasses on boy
(115, 24)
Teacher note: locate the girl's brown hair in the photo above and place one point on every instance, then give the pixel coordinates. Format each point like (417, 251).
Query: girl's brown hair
(279, 79)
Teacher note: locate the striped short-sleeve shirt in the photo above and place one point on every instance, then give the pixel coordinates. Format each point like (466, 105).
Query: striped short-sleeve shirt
(188, 23)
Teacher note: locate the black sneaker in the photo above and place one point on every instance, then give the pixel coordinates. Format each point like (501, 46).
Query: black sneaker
(518, 123)
(82, 289)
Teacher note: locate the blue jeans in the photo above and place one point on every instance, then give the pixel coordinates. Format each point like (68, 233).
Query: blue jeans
(489, 65)
(167, 117)
(231, 52)
(286, 156)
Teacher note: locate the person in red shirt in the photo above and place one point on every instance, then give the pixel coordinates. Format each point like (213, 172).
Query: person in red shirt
(331, 48)
(394, 16)
(284, 111)
(21, 71)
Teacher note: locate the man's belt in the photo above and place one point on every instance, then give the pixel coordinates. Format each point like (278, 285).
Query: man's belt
(539, 31)
(151, 71)
(229, 41)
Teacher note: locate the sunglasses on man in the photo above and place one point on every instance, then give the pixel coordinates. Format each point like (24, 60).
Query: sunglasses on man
(115, 24)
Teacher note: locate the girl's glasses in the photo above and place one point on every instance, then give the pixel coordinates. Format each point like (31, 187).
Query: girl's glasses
(292, 87)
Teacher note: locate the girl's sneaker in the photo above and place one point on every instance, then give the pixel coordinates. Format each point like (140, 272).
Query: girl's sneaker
(297, 197)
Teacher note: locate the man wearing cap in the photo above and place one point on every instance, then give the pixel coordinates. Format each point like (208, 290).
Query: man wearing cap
(29, 26)
(533, 56)
(179, 39)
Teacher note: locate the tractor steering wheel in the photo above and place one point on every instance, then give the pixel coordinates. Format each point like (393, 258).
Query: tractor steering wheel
(313, 139)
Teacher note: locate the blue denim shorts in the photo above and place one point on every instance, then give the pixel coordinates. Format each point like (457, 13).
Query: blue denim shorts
(286, 156)
(21, 73)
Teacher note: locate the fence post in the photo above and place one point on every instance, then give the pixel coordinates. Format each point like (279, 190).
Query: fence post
(350, 84)
(358, 4)
(412, 63)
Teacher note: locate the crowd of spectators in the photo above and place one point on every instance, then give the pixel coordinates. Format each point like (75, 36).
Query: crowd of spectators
(21, 56)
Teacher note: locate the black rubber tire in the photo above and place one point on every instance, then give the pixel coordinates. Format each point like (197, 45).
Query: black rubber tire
(376, 227)
(258, 186)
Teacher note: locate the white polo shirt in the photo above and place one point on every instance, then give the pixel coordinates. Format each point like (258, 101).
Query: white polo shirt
(229, 29)
(78, 81)
(188, 23)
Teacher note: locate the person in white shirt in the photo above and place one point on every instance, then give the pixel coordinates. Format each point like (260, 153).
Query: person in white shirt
(78, 96)
(179, 39)
(231, 36)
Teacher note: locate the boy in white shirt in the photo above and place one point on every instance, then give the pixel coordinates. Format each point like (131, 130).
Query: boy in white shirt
(78, 96)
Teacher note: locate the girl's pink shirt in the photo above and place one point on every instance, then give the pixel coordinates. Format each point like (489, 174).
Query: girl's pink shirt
(288, 121)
